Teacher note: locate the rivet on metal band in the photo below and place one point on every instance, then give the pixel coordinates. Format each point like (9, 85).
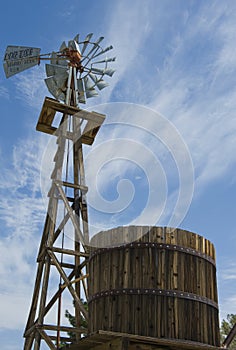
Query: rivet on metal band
(153, 245)
(157, 292)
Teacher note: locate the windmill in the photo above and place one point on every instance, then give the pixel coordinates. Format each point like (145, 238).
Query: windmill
(74, 73)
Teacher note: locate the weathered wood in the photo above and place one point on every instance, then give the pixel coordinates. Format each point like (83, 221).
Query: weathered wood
(75, 185)
(68, 284)
(47, 339)
(69, 252)
(160, 285)
(35, 298)
(73, 217)
(105, 340)
(93, 120)
(51, 327)
(75, 126)
(78, 279)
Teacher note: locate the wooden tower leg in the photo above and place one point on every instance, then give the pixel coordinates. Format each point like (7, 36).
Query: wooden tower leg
(67, 196)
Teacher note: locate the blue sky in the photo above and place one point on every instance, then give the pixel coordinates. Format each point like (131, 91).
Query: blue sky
(176, 64)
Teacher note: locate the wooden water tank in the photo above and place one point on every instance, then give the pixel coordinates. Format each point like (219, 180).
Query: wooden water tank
(162, 284)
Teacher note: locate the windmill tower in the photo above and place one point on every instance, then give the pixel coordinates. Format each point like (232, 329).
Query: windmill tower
(73, 74)
(158, 291)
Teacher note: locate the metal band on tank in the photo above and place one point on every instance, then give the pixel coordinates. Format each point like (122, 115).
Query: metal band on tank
(157, 292)
(160, 246)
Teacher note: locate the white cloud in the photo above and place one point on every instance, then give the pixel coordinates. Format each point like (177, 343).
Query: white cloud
(4, 92)
(21, 216)
(226, 285)
(229, 272)
(199, 98)
(127, 29)
(128, 143)
(192, 85)
(30, 86)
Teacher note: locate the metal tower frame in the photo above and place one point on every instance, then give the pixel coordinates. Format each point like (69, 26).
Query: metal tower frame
(76, 127)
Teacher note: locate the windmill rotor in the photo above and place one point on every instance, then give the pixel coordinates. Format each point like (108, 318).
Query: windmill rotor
(84, 56)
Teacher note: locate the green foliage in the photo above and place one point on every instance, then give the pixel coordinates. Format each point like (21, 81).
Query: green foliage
(226, 326)
(72, 321)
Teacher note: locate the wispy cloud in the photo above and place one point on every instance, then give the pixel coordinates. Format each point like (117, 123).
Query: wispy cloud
(30, 86)
(191, 86)
(21, 216)
(186, 74)
(226, 284)
(196, 92)
(229, 272)
(4, 92)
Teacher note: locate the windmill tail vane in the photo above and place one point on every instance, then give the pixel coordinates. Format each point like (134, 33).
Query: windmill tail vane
(81, 56)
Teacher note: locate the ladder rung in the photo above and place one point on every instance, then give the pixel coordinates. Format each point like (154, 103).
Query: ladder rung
(69, 252)
(52, 194)
(79, 187)
(65, 265)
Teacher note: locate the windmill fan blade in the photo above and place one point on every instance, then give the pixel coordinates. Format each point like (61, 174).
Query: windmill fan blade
(81, 98)
(95, 45)
(53, 69)
(61, 80)
(81, 90)
(73, 44)
(101, 84)
(54, 59)
(93, 77)
(109, 72)
(88, 84)
(91, 93)
(105, 71)
(72, 63)
(53, 88)
(76, 38)
(99, 40)
(89, 88)
(63, 46)
(103, 51)
(98, 71)
(86, 41)
(106, 60)
(80, 85)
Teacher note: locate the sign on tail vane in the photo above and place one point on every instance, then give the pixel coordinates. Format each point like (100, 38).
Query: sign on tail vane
(20, 58)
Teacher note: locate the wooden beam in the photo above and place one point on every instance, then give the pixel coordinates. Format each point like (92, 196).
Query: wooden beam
(50, 327)
(57, 294)
(51, 106)
(103, 340)
(35, 298)
(79, 187)
(65, 265)
(76, 280)
(68, 284)
(69, 252)
(72, 215)
(230, 337)
(47, 339)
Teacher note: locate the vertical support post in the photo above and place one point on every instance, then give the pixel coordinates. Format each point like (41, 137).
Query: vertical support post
(57, 221)
(78, 166)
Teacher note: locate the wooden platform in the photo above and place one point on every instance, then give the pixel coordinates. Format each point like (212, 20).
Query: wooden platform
(47, 116)
(104, 340)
